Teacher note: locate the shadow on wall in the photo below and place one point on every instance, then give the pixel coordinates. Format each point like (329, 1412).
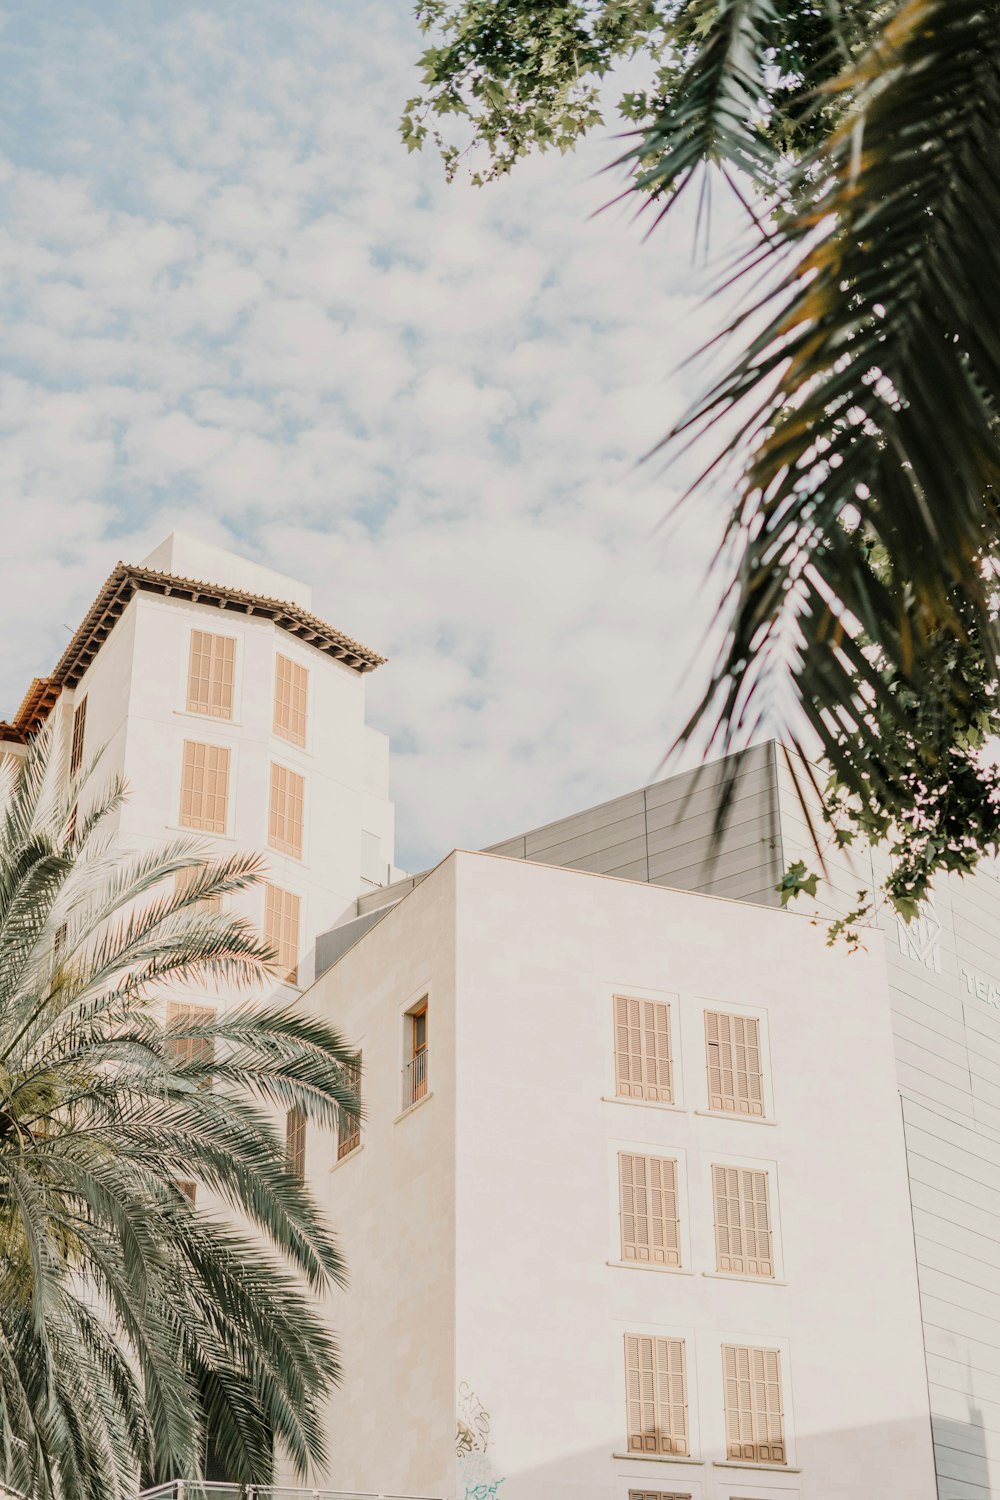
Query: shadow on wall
(890, 1462)
(963, 1464)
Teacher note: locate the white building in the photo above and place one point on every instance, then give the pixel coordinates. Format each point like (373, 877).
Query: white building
(628, 1215)
(237, 716)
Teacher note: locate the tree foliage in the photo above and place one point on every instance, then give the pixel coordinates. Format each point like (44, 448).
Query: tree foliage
(862, 405)
(133, 1322)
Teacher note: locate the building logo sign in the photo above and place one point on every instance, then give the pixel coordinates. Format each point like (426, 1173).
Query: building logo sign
(980, 987)
(920, 939)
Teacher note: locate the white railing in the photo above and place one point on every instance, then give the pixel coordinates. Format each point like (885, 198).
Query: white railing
(415, 1078)
(207, 1489)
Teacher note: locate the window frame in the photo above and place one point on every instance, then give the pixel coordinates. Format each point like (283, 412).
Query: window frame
(671, 1001)
(279, 768)
(778, 1348)
(350, 1141)
(756, 1013)
(648, 1156)
(659, 1451)
(285, 732)
(220, 749)
(78, 735)
(758, 1169)
(291, 975)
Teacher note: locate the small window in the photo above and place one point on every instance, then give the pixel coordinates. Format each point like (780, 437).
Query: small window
(188, 1050)
(205, 787)
(281, 930)
(211, 668)
(742, 1222)
(755, 1425)
(372, 867)
(76, 744)
(415, 1064)
(291, 693)
(735, 1077)
(189, 1189)
(285, 813)
(59, 943)
(650, 1225)
(295, 1141)
(349, 1126)
(658, 1495)
(643, 1062)
(656, 1399)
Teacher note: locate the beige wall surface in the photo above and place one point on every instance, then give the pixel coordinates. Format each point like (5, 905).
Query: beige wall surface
(392, 1203)
(541, 1313)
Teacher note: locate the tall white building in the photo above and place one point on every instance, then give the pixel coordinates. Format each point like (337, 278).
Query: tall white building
(237, 716)
(627, 1218)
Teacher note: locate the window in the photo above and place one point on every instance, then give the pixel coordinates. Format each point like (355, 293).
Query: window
(204, 787)
(284, 824)
(651, 1231)
(735, 1080)
(76, 744)
(291, 692)
(372, 868)
(210, 674)
(643, 1063)
(349, 1127)
(415, 1066)
(281, 930)
(755, 1428)
(189, 1189)
(295, 1141)
(656, 1395)
(187, 1050)
(742, 1222)
(59, 942)
(183, 881)
(657, 1495)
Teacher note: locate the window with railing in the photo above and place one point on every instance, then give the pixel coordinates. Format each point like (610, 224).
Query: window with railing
(415, 1064)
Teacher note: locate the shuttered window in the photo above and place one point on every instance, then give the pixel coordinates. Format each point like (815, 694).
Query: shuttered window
(189, 1189)
(295, 1141)
(204, 787)
(651, 1231)
(291, 693)
(658, 1495)
(211, 666)
(186, 1050)
(284, 824)
(755, 1427)
(349, 1128)
(735, 1079)
(742, 1222)
(643, 1063)
(281, 929)
(656, 1395)
(76, 743)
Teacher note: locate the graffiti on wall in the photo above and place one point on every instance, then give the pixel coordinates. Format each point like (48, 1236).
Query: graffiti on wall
(472, 1442)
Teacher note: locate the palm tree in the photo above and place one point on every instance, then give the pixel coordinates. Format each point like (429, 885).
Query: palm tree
(861, 410)
(135, 1323)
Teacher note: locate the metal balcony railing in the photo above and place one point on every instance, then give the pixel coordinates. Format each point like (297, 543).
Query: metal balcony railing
(415, 1078)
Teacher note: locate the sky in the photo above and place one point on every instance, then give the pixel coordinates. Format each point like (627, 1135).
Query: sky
(234, 305)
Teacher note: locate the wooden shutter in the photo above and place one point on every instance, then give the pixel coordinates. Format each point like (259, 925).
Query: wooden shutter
(656, 1395)
(658, 1495)
(735, 1079)
(755, 1428)
(76, 743)
(349, 1128)
(189, 1189)
(185, 1050)
(211, 668)
(205, 787)
(281, 929)
(291, 693)
(650, 1224)
(295, 1141)
(742, 1222)
(284, 824)
(643, 1062)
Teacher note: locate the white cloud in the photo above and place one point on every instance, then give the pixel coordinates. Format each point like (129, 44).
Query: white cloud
(234, 304)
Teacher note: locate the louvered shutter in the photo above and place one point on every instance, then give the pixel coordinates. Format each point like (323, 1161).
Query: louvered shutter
(191, 1049)
(742, 1221)
(733, 1058)
(650, 1229)
(211, 669)
(671, 1391)
(205, 787)
(76, 743)
(281, 929)
(656, 1395)
(286, 810)
(643, 1061)
(754, 1419)
(291, 691)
